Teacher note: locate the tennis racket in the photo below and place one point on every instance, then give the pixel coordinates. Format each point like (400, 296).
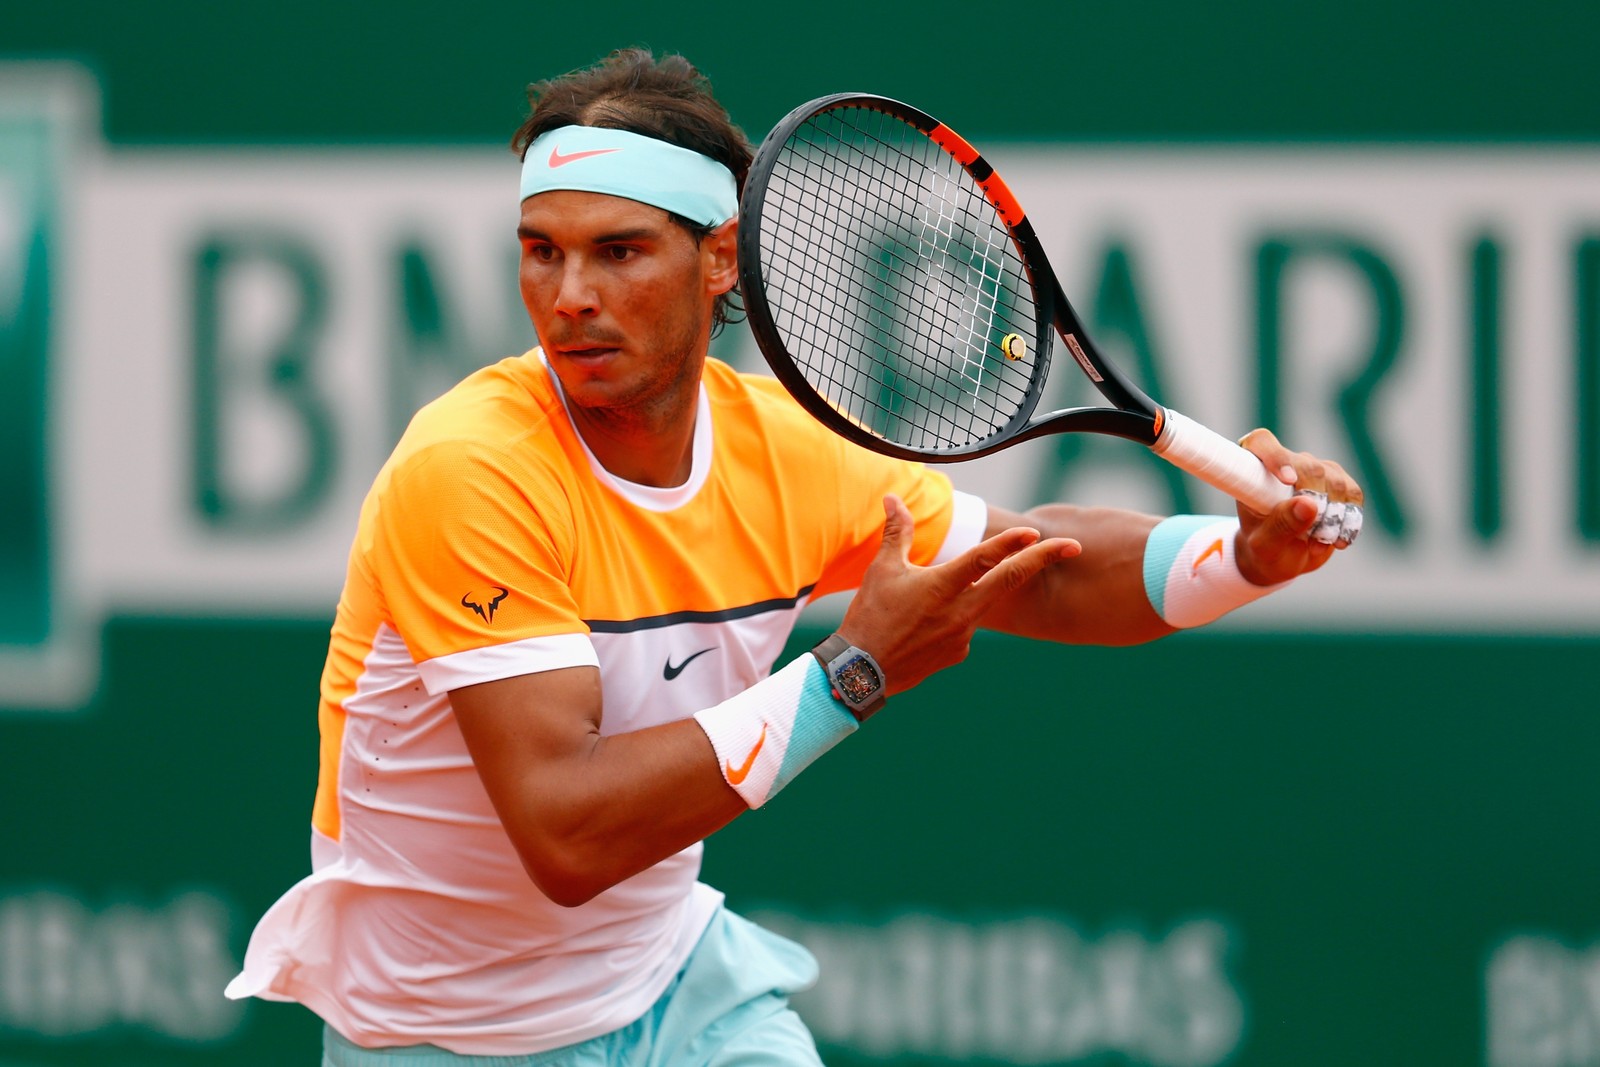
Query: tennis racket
(898, 291)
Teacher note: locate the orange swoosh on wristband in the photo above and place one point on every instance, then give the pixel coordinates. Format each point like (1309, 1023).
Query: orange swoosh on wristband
(1213, 549)
(736, 775)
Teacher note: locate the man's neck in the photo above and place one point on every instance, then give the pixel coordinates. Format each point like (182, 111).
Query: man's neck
(656, 449)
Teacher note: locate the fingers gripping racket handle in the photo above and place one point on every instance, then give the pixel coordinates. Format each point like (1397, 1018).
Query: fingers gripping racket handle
(1218, 462)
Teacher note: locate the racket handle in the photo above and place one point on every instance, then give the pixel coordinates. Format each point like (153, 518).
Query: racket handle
(1218, 462)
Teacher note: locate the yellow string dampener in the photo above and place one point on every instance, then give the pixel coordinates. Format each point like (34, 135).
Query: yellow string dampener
(1013, 346)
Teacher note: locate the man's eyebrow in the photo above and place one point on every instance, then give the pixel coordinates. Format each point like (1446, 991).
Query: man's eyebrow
(636, 233)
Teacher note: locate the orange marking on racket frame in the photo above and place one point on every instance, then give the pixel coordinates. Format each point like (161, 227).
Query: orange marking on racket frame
(954, 143)
(993, 186)
(1000, 195)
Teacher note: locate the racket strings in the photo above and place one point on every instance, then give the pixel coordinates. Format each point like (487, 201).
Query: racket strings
(901, 270)
(936, 235)
(894, 283)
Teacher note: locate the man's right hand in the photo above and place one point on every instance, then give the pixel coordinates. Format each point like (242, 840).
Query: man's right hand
(916, 621)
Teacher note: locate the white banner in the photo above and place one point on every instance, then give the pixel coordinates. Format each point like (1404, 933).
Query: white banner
(238, 334)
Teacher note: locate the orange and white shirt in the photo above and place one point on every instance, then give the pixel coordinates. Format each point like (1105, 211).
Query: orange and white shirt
(491, 545)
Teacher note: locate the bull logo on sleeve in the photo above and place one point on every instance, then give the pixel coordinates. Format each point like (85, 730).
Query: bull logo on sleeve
(484, 601)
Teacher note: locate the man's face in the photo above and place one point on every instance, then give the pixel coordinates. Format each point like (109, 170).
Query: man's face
(621, 297)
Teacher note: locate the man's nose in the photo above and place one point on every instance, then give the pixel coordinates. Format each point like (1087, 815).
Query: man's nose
(577, 295)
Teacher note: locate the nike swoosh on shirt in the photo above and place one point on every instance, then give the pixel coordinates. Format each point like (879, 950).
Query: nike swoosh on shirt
(557, 159)
(669, 672)
(737, 775)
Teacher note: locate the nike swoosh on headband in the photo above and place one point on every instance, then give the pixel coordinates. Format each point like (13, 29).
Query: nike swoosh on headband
(559, 160)
(632, 166)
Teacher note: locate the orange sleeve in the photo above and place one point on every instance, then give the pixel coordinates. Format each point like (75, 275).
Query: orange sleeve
(863, 478)
(471, 550)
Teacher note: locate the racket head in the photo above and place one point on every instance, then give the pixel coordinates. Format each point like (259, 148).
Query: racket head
(891, 282)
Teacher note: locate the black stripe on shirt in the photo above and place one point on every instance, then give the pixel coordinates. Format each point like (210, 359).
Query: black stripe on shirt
(624, 626)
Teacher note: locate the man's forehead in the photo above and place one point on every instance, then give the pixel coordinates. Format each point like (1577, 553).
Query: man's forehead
(577, 209)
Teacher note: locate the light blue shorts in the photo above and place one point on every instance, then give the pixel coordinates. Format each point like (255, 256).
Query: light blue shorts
(728, 1007)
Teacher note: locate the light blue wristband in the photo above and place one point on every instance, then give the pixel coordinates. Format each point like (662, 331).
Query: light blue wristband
(765, 736)
(1191, 575)
(1161, 551)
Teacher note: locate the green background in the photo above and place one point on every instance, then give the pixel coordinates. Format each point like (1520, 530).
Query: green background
(1368, 850)
(303, 70)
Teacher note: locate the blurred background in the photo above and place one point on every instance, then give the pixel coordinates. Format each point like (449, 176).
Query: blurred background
(240, 244)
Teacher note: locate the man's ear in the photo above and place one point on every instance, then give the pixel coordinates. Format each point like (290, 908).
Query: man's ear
(719, 252)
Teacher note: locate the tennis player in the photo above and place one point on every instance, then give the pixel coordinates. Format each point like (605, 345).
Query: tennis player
(552, 671)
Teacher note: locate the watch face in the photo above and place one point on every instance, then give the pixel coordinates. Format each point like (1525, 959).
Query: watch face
(857, 680)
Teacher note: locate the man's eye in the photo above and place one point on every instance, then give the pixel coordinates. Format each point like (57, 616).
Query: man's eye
(620, 254)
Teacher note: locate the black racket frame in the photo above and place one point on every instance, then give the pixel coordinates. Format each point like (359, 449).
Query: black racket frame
(1133, 416)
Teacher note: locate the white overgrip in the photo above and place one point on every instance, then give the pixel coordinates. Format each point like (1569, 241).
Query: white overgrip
(1218, 462)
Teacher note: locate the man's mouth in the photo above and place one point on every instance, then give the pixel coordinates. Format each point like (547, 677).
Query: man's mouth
(586, 351)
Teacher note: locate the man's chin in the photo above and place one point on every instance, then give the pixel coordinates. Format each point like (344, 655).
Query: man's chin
(587, 370)
(598, 392)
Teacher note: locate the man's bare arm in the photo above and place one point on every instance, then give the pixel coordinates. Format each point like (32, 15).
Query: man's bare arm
(586, 811)
(1099, 595)
(1096, 597)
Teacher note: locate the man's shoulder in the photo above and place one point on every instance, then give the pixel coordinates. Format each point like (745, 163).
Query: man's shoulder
(499, 417)
(502, 400)
(761, 394)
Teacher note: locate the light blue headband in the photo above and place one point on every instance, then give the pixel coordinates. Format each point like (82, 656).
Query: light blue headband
(592, 159)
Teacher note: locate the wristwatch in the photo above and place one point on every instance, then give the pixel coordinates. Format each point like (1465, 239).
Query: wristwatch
(855, 676)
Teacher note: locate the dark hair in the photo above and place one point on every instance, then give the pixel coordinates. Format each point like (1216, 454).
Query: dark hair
(665, 98)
